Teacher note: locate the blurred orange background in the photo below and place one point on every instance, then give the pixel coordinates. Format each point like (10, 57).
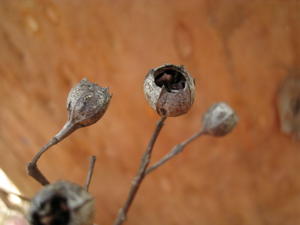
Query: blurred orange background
(238, 51)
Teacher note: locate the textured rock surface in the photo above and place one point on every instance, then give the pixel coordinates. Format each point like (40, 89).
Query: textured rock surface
(238, 51)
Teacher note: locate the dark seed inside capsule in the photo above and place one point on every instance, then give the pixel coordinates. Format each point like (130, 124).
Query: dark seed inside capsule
(170, 79)
(55, 211)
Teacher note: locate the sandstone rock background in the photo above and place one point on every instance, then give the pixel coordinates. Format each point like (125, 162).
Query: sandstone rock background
(238, 51)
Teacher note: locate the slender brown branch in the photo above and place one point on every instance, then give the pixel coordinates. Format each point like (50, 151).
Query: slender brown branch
(174, 151)
(90, 172)
(137, 180)
(32, 168)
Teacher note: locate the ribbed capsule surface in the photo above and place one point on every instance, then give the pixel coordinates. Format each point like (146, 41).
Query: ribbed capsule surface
(87, 102)
(170, 90)
(219, 120)
(62, 203)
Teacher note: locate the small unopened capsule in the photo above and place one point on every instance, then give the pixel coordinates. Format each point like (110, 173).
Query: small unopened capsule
(87, 102)
(219, 120)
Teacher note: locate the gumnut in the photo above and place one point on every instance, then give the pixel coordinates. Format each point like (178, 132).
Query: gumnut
(170, 90)
(62, 203)
(219, 120)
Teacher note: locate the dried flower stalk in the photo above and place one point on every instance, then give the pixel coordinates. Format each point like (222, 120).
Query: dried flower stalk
(219, 120)
(86, 104)
(169, 89)
(138, 179)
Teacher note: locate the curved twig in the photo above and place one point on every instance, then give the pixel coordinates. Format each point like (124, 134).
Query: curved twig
(32, 168)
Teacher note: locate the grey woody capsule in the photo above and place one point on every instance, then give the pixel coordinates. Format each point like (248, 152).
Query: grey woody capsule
(62, 203)
(87, 102)
(170, 90)
(219, 120)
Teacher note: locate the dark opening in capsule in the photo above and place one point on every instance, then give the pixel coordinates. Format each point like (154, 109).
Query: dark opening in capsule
(54, 211)
(170, 78)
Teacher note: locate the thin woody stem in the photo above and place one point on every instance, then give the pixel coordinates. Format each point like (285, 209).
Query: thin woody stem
(90, 172)
(174, 151)
(137, 180)
(32, 168)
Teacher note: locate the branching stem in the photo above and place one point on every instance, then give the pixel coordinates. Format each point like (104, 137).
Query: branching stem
(137, 180)
(174, 151)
